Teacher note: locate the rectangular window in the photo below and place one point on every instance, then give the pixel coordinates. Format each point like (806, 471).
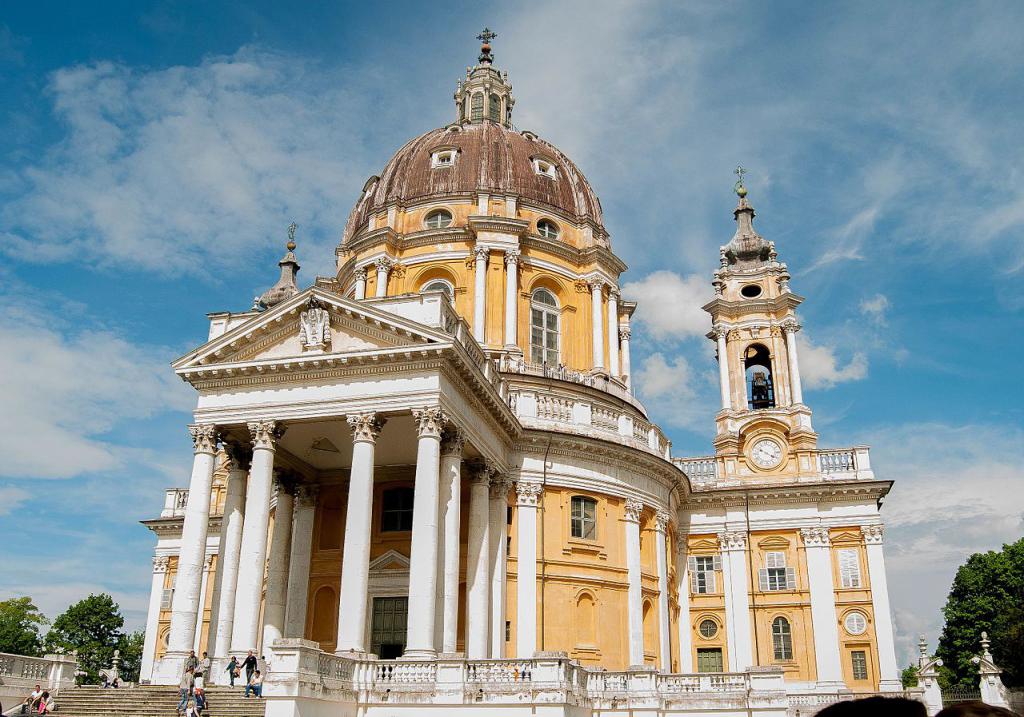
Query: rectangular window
(709, 659)
(859, 659)
(849, 568)
(703, 573)
(508, 630)
(396, 510)
(775, 576)
(583, 519)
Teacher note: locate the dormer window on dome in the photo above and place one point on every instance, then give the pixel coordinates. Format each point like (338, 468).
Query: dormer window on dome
(545, 167)
(443, 158)
(548, 229)
(438, 219)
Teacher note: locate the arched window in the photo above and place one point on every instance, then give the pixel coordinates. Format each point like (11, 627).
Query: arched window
(477, 108)
(548, 229)
(494, 108)
(439, 285)
(583, 517)
(782, 639)
(438, 219)
(544, 329)
(757, 363)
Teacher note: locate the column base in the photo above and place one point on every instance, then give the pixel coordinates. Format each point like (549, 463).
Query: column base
(168, 669)
(419, 655)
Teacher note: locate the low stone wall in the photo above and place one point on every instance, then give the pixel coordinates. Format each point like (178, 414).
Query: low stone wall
(19, 674)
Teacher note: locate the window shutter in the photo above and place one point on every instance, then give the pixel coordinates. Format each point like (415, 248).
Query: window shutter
(691, 564)
(712, 580)
(717, 562)
(165, 598)
(693, 582)
(791, 578)
(762, 578)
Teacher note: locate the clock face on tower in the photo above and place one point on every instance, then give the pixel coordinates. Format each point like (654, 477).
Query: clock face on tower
(766, 453)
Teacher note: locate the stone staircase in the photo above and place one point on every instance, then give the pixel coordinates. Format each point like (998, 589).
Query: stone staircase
(152, 701)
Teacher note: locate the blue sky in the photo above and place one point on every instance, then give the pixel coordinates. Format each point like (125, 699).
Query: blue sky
(154, 153)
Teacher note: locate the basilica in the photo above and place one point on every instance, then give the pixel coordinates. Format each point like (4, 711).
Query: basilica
(425, 482)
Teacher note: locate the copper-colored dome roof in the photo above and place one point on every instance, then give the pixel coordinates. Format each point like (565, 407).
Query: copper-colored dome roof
(490, 158)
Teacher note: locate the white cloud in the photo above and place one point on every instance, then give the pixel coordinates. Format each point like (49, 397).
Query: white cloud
(672, 392)
(188, 169)
(951, 498)
(876, 308)
(819, 367)
(65, 389)
(669, 304)
(11, 498)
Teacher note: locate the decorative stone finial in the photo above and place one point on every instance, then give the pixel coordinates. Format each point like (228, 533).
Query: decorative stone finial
(285, 288)
(485, 37)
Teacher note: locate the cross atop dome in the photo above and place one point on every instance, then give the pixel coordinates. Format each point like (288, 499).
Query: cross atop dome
(486, 94)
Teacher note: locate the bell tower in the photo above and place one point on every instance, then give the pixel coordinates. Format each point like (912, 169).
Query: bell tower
(764, 427)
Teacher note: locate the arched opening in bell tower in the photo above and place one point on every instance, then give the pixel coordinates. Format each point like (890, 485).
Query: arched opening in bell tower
(757, 365)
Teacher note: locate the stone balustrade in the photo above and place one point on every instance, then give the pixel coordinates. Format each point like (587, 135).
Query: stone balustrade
(175, 500)
(830, 463)
(514, 365)
(19, 674)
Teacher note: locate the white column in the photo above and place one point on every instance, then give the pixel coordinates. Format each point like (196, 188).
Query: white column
(478, 562)
(634, 602)
(420, 634)
(188, 582)
(683, 589)
(613, 332)
(791, 327)
(500, 486)
(527, 497)
(737, 600)
(480, 293)
(203, 589)
(239, 457)
(451, 513)
(156, 593)
(888, 669)
(723, 367)
(597, 322)
(278, 561)
(821, 586)
(627, 370)
(298, 562)
(253, 554)
(744, 401)
(661, 556)
(511, 296)
(383, 268)
(361, 283)
(355, 565)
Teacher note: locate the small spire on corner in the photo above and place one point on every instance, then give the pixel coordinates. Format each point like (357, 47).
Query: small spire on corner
(286, 286)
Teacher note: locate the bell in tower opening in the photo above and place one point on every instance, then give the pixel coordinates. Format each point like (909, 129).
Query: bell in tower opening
(758, 365)
(761, 391)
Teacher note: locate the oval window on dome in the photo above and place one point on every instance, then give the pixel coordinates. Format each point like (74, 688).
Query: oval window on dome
(438, 219)
(548, 229)
(751, 291)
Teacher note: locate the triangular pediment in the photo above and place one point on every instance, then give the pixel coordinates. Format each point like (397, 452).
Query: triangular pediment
(391, 560)
(704, 544)
(288, 330)
(846, 536)
(773, 542)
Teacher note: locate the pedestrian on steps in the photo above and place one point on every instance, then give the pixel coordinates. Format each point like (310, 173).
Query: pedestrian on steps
(250, 667)
(184, 689)
(232, 670)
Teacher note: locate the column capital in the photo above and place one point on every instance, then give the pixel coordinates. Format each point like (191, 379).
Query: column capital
(634, 508)
(286, 480)
(512, 257)
(453, 439)
(596, 284)
(873, 534)
(815, 537)
(500, 484)
(719, 331)
(528, 493)
(479, 472)
(265, 434)
(661, 520)
(360, 274)
(160, 563)
(790, 326)
(430, 421)
(613, 294)
(625, 333)
(384, 264)
(732, 540)
(306, 494)
(365, 427)
(239, 454)
(481, 253)
(204, 437)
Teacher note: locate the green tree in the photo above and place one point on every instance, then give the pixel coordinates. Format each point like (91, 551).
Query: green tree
(986, 595)
(20, 621)
(909, 677)
(92, 627)
(131, 655)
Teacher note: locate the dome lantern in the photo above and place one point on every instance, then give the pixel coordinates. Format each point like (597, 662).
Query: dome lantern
(486, 93)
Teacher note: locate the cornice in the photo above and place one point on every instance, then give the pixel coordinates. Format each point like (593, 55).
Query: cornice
(493, 223)
(822, 492)
(167, 527)
(720, 307)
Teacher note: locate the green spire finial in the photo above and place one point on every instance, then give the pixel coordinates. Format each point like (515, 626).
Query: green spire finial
(291, 236)
(739, 188)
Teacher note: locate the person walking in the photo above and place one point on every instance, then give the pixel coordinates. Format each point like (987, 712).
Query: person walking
(199, 692)
(192, 661)
(184, 689)
(232, 670)
(250, 667)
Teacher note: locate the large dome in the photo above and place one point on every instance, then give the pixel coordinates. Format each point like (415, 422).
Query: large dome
(490, 157)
